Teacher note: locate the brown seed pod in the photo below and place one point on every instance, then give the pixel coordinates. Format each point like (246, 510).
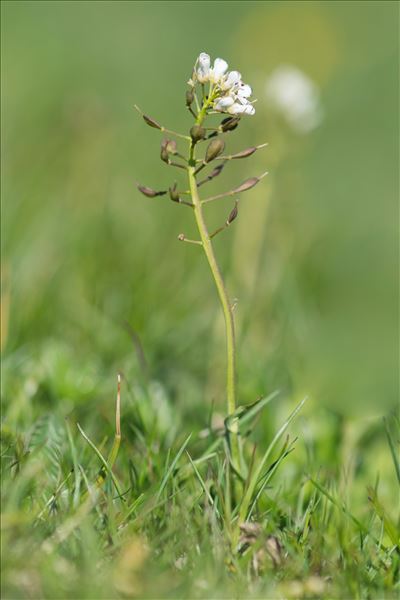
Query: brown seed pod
(197, 133)
(245, 153)
(248, 151)
(167, 147)
(215, 148)
(170, 146)
(189, 98)
(247, 185)
(216, 171)
(164, 151)
(229, 124)
(233, 214)
(164, 155)
(149, 192)
(173, 194)
(151, 122)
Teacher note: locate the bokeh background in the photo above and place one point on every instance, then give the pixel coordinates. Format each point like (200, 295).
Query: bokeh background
(93, 277)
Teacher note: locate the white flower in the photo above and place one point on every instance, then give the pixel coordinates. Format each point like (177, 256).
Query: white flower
(223, 103)
(232, 80)
(296, 96)
(203, 69)
(241, 109)
(218, 71)
(244, 92)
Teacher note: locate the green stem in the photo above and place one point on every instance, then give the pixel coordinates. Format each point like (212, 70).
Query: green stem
(223, 296)
(222, 292)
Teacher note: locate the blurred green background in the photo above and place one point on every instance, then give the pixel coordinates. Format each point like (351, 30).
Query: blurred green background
(311, 260)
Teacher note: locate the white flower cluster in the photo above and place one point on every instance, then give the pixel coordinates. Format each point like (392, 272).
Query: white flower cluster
(231, 94)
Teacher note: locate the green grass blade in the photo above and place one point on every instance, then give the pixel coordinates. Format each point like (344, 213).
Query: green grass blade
(103, 461)
(260, 467)
(172, 466)
(256, 407)
(390, 527)
(139, 500)
(77, 473)
(268, 476)
(362, 528)
(395, 454)
(201, 480)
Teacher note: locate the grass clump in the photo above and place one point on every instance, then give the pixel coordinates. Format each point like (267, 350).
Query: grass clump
(173, 530)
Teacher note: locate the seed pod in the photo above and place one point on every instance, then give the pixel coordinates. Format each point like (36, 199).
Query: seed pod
(215, 148)
(164, 150)
(149, 192)
(151, 122)
(229, 124)
(171, 146)
(167, 147)
(197, 133)
(173, 194)
(233, 214)
(189, 98)
(245, 153)
(216, 171)
(246, 185)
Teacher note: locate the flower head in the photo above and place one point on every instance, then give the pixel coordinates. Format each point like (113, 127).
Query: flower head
(228, 93)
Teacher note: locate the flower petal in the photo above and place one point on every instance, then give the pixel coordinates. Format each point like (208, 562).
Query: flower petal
(245, 91)
(219, 69)
(241, 109)
(204, 60)
(223, 103)
(232, 79)
(203, 69)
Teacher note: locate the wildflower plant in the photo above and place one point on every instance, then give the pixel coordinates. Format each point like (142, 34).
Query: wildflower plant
(213, 90)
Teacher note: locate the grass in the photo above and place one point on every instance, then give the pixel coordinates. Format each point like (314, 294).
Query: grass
(164, 524)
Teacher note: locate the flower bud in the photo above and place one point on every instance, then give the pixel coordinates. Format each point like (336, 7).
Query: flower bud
(189, 98)
(229, 124)
(197, 133)
(151, 122)
(215, 148)
(149, 192)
